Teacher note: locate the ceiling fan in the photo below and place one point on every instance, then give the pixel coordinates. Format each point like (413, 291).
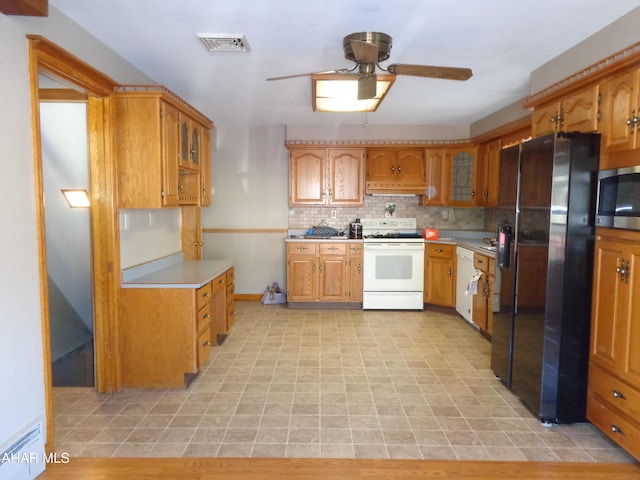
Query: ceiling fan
(367, 50)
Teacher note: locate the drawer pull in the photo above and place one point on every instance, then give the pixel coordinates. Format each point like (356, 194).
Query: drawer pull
(333, 248)
(206, 315)
(206, 294)
(616, 429)
(206, 344)
(220, 282)
(617, 394)
(439, 250)
(302, 248)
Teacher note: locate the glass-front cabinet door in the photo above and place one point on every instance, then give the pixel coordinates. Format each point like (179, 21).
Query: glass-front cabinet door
(195, 146)
(463, 176)
(185, 137)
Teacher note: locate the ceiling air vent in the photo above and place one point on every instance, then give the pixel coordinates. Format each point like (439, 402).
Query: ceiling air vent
(224, 42)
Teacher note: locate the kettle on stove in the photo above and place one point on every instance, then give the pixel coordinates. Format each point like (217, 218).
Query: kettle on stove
(355, 229)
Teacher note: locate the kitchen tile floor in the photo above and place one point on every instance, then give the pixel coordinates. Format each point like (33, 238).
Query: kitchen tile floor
(329, 383)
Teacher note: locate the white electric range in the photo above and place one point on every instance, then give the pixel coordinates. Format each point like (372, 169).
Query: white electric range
(393, 271)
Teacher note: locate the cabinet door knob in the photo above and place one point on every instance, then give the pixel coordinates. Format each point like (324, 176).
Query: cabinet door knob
(206, 315)
(450, 272)
(206, 344)
(206, 294)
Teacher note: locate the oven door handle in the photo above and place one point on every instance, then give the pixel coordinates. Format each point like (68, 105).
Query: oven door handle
(394, 246)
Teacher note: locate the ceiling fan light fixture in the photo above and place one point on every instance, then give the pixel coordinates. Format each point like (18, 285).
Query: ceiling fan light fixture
(339, 93)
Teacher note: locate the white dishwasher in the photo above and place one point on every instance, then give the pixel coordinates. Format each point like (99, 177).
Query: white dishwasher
(464, 272)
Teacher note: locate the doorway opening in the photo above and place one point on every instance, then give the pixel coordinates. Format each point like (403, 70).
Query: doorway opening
(65, 166)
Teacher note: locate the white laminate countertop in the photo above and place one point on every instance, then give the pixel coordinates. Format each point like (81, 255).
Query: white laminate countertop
(176, 274)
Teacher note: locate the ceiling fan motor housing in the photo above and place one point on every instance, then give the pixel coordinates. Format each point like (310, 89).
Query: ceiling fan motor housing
(381, 40)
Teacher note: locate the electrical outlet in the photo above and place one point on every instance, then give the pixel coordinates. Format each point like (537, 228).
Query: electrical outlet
(292, 212)
(334, 214)
(445, 214)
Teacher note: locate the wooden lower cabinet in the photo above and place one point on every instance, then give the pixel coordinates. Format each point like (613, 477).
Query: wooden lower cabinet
(167, 333)
(483, 300)
(355, 272)
(324, 272)
(440, 274)
(613, 402)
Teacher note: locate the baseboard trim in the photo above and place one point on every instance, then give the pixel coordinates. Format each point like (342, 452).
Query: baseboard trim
(248, 297)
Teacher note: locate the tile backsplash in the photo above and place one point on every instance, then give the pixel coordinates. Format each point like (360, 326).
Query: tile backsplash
(374, 206)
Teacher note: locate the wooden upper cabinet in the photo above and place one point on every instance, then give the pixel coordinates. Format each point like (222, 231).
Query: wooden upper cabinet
(489, 173)
(146, 132)
(463, 181)
(149, 148)
(436, 171)
(395, 170)
(190, 143)
(346, 176)
(621, 112)
(545, 119)
(307, 175)
(578, 112)
(205, 168)
(326, 176)
(581, 111)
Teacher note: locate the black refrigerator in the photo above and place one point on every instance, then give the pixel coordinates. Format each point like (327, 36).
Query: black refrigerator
(546, 211)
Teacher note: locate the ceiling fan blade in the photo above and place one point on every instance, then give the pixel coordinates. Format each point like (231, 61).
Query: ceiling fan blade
(367, 86)
(304, 74)
(326, 72)
(446, 73)
(364, 51)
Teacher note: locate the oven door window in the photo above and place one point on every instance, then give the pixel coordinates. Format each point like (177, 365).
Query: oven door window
(394, 267)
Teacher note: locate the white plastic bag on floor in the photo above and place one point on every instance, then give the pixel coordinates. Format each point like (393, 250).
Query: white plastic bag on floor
(273, 295)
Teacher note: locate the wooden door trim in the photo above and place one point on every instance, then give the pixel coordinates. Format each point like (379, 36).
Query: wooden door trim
(45, 56)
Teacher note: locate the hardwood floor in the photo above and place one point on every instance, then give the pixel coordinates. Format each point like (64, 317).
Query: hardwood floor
(334, 469)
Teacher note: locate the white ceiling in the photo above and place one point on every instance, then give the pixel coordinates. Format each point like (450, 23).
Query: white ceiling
(502, 41)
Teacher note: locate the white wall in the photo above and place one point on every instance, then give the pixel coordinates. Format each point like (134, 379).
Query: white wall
(614, 37)
(65, 164)
(21, 377)
(148, 234)
(250, 175)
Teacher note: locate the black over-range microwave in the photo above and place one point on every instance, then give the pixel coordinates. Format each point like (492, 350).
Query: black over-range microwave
(619, 198)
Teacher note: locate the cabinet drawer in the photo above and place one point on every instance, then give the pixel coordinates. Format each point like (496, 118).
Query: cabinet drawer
(203, 319)
(440, 250)
(481, 262)
(355, 249)
(614, 392)
(203, 347)
(302, 248)
(203, 295)
(624, 432)
(230, 276)
(218, 283)
(333, 249)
